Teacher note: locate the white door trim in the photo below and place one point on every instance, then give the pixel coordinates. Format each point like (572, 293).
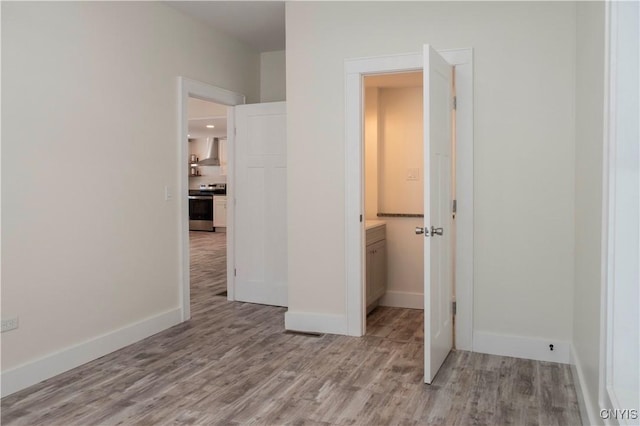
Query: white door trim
(191, 88)
(355, 69)
(620, 131)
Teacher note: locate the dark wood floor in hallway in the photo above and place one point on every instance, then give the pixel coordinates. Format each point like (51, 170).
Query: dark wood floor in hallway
(233, 363)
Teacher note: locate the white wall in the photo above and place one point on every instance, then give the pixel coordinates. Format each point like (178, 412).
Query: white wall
(273, 87)
(371, 153)
(524, 59)
(400, 149)
(405, 262)
(89, 114)
(588, 197)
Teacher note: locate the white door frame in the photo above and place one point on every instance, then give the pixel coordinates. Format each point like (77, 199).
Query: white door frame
(620, 129)
(206, 92)
(355, 69)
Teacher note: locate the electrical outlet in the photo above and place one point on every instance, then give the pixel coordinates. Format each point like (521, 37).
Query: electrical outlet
(9, 324)
(167, 193)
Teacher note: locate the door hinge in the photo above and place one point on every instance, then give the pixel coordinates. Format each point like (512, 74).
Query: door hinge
(235, 272)
(454, 206)
(235, 131)
(360, 218)
(454, 307)
(455, 102)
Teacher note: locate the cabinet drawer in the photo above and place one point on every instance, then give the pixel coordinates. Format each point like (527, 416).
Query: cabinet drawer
(375, 234)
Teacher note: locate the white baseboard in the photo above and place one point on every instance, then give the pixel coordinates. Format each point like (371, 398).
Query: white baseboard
(315, 323)
(32, 372)
(589, 413)
(402, 299)
(521, 347)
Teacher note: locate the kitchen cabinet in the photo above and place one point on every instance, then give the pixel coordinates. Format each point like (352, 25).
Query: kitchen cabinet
(376, 265)
(219, 211)
(223, 156)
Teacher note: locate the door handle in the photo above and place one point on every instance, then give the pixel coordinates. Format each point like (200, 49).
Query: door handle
(424, 231)
(436, 231)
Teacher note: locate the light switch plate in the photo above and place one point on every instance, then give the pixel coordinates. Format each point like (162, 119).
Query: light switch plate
(413, 174)
(9, 324)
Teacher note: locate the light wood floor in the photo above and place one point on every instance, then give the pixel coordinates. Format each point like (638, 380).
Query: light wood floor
(233, 363)
(208, 258)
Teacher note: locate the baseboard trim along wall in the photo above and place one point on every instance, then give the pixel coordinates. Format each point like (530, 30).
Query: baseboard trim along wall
(33, 372)
(315, 323)
(588, 413)
(402, 299)
(521, 347)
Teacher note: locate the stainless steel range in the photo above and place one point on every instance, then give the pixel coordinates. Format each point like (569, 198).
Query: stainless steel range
(201, 206)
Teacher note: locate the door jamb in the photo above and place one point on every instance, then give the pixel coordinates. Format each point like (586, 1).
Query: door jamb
(355, 69)
(616, 121)
(192, 88)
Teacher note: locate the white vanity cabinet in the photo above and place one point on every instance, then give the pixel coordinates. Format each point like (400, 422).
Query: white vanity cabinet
(376, 263)
(219, 211)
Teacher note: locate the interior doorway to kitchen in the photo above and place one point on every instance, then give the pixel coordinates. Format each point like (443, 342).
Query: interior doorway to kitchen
(207, 195)
(198, 91)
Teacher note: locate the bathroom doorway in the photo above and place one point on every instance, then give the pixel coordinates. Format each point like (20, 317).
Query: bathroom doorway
(438, 203)
(393, 200)
(355, 71)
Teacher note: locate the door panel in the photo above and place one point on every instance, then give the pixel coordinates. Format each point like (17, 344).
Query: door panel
(261, 201)
(438, 284)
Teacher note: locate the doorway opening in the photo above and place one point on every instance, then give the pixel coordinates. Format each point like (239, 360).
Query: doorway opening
(207, 195)
(393, 203)
(197, 99)
(355, 237)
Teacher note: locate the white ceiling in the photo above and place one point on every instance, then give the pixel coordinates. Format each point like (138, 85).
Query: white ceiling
(201, 113)
(260, 24)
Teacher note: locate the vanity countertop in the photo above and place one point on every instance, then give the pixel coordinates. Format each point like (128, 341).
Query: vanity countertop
(370, 224)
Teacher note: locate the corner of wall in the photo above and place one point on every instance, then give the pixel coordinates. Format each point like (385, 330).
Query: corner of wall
(588, 130)
(273, 81)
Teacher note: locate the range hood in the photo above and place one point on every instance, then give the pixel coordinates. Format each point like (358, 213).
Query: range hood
(213, 156)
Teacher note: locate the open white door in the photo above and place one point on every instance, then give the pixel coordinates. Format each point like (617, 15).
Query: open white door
(438, 320)
(261, 204)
